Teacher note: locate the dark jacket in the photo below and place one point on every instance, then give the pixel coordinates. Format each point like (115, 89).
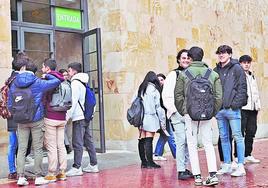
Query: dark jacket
(38, 88)
(196, 68)
(234, 85)
(11, 124)
(51, 114)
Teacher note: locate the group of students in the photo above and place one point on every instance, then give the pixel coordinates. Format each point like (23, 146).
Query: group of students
(47, 125)
(236, 103)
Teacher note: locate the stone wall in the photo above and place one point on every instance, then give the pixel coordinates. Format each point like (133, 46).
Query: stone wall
(5, 65)
(143, 35)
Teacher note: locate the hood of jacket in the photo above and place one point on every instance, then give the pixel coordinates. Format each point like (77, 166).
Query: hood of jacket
(57, 75)
(83, 77)
(25, 79)
(228, 66)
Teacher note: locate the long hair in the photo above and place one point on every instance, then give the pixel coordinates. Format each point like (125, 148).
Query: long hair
(152, 78)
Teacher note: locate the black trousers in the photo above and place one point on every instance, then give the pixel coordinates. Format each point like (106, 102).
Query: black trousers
(220, 148)
(248, 129)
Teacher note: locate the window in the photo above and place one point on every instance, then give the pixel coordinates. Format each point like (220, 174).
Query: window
(36, 12)
(14, 10)
(74, 4)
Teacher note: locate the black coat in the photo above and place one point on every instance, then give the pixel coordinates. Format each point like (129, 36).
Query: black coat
(234, 85)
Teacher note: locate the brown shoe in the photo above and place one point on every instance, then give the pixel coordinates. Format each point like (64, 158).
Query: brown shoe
(12, 176)
(51, 178)
(61, 176)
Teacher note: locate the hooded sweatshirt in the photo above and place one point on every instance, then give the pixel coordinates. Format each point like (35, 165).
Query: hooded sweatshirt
(234, 85)
(78, 95)
(51, 114)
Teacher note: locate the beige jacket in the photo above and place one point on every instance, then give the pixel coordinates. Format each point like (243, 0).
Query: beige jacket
(254, 102)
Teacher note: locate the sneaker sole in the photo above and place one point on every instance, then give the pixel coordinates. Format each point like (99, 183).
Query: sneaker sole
(93, 171)
(198, 183)
(74, 175)
(238, 175)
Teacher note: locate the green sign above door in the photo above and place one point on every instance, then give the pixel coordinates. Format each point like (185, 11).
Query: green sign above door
(68, 18)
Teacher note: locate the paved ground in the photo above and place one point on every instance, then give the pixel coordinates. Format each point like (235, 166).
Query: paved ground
(122, 169)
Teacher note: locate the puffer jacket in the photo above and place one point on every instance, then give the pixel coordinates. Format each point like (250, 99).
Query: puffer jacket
(234, 85)
(254, 102)
(38, 87)
(78, 94)
(196, 68)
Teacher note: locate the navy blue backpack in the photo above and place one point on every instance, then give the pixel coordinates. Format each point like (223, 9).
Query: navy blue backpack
(90, 103)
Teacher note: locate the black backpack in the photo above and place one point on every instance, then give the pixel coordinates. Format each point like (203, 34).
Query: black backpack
(200, 98)
(135, 113)
(23, 105)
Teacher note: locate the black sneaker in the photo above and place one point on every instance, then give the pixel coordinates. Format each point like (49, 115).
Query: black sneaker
(183, 175)
(153, 165)
(198, 180)
(189, 173)
(211, 180)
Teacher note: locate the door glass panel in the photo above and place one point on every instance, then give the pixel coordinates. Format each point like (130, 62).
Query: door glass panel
(92, 43)
(93, 79)
(71, 44)
(14, 10)
(36, 13)
(37, 41)
(75, 4)
(37, 47)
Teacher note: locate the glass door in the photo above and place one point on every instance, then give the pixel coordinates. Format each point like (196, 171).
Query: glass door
(37, 44)
(93, 66)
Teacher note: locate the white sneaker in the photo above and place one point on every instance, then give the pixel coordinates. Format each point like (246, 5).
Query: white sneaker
(74, 172)
(22, 181)
(159, 158)
(240, 171)
(91, 168)
(234, 165)
(251, 159)
(40, 181)
(225, 168)
(211, 180)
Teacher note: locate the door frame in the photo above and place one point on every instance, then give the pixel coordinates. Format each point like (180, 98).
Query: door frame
(97, 32)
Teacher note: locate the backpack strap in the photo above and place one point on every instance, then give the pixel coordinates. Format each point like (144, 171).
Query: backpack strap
(78, 100)
(189, 74)
(177, 72)
(207, 74)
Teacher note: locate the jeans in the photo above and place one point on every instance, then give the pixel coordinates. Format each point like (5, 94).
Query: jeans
(232, 118)
(182, 154)
(159, 148)
(12, 147)
(82, 137)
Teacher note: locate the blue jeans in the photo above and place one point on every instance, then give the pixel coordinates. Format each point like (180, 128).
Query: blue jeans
(232, 118)
(159, 148)
(12, 147)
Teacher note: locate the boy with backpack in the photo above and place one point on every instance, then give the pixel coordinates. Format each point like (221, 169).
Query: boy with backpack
(25, 105)
(198, 96)
(56, 102)
(17, 64)
(81, 132)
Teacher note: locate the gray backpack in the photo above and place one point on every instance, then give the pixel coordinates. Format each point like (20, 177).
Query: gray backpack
(200, 97)
(62, 97)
